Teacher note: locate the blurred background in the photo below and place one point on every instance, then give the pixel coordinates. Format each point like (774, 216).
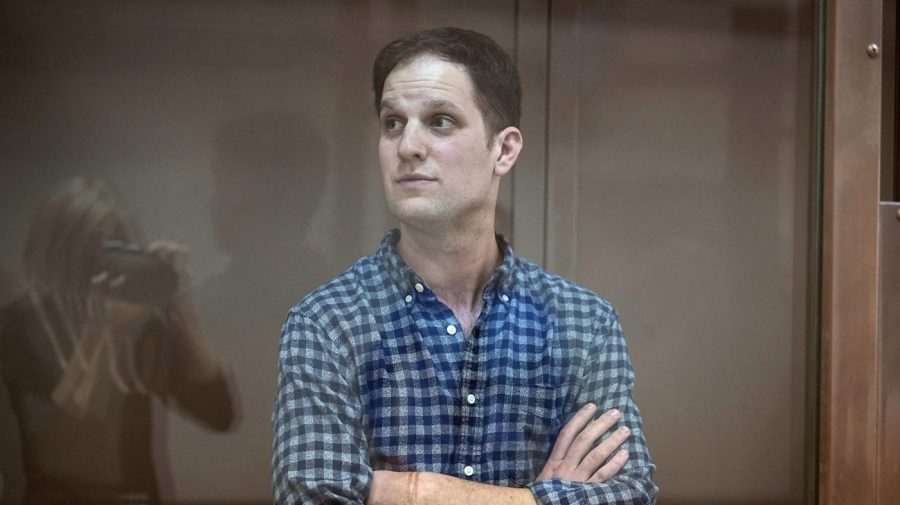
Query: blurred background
(666, 167)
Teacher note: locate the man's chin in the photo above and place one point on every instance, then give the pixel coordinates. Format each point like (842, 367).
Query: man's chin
(418, 214)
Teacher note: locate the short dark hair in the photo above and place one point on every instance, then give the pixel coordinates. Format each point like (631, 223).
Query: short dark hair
(495, 80)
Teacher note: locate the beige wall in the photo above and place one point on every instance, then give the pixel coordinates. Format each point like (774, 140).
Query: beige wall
(245, 131)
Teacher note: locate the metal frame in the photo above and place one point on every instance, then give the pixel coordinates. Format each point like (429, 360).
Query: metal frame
(851, 178)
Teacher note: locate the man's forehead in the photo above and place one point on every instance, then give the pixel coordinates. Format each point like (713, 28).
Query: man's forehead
(424, 73)
(426, 58)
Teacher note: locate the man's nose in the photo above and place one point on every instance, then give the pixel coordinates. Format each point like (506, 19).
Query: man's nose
(412, 144)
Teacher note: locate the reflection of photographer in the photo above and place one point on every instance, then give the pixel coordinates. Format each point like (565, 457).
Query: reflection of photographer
(107, 324)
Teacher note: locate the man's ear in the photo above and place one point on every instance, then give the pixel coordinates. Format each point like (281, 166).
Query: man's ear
(510, 145)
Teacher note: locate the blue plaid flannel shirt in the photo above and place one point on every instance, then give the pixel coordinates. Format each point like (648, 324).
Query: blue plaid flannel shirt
(375, 373)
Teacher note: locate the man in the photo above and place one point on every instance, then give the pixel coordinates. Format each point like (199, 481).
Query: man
(443, 369)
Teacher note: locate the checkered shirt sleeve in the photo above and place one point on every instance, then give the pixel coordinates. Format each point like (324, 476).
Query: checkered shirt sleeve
(319, 453)
(608, 384)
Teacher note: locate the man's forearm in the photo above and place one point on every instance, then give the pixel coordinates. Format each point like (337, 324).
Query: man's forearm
(419, 488)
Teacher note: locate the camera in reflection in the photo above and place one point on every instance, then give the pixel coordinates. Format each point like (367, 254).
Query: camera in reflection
(136, 275)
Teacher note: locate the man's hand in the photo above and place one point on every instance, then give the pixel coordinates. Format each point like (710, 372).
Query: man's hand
(574, 456)
(426, 488)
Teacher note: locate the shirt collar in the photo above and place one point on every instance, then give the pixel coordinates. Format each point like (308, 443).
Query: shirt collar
(406, 279)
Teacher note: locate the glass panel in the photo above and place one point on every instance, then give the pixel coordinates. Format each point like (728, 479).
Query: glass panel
(889, 320)
(692, 197)
(243, 131)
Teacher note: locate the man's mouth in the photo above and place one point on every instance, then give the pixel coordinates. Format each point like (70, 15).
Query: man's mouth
(414, 179)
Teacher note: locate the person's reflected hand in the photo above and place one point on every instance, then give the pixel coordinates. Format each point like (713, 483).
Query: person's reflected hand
(194, 342)
(105, 313)
(175, 255)
(574, 456)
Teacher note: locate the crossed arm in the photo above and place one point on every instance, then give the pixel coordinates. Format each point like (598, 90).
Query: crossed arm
(574, 458)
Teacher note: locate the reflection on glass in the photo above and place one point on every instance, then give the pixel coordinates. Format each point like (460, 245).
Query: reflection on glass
(105, 326)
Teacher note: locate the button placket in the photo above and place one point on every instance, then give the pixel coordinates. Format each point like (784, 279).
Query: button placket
(471, 410)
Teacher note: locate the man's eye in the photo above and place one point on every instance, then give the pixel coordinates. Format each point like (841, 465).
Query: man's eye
(442, 122)
(392, 123)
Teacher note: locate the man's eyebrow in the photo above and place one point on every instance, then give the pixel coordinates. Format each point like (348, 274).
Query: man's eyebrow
(442, 104)
(388, 103)
(391, 103)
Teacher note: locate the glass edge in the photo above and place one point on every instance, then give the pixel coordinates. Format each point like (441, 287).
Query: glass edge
(815, 245)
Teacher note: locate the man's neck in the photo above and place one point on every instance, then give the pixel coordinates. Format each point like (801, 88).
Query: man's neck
(456, 266)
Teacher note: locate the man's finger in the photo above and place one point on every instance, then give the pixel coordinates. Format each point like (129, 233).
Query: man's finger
(570, 431)
(610, 469)
(594, 459)
(572, 428)
(585, 440)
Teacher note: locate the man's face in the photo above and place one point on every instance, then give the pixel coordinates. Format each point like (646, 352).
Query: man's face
(436, 165)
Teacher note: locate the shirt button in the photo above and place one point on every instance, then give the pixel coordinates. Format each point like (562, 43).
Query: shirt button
(470, 399)
(468, 470)
(451, 329)
(408, 298)
(504, 298)
(419, 287)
